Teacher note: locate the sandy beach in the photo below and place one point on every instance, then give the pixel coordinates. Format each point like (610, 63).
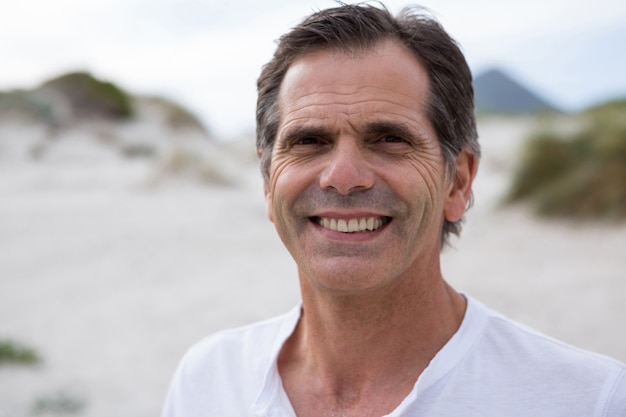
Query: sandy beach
(111, 270)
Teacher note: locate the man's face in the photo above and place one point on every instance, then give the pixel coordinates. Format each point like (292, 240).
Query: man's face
(358, 186)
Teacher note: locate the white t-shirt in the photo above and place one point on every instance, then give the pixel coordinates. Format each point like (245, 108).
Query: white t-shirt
(490, 367)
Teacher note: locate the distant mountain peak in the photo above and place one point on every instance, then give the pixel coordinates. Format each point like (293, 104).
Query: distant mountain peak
(496, 91)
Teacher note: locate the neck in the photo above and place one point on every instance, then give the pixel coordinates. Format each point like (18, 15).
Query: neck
(361, 340)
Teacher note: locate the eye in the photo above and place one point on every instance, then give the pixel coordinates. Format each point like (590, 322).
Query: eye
(307, 145)
(393, 139)
(307, 141)
(393, 144)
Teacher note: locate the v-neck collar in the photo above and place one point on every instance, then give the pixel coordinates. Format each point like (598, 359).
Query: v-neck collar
(273, 401)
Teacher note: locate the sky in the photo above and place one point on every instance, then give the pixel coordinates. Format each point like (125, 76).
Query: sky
(207, 54)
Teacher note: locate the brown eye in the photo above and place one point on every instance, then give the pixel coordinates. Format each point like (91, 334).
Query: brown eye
(307, 141)
(393, 139)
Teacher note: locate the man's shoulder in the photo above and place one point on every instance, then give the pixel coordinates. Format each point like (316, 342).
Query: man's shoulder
(512, 348)
(518, 338)
(513, 366)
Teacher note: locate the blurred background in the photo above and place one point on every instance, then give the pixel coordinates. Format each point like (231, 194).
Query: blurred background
(132, 220)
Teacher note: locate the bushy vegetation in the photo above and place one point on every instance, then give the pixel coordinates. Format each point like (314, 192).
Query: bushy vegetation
(191, 165)
(80, 102)
(23, 105)
(581, 175)
(59, 404)
(176, 116)
(89, 96)
(15, 353)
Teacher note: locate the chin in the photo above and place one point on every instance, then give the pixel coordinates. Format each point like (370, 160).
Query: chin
(343, 280)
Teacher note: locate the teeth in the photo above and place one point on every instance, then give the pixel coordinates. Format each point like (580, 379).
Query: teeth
(351, 225)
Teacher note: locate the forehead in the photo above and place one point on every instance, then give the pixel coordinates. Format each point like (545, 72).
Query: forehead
(385, 81)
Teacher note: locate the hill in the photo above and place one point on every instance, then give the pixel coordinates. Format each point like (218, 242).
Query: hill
(497, 92)
(79, 98)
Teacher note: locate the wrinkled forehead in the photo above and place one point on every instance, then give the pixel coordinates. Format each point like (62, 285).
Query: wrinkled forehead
(330, 84)
(384, 60)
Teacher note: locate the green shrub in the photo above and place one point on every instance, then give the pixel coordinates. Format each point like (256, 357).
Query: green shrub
(582, 175)
(176, 116)
(89, 96)
(184, 163)
(139, 150)
(611, 112)
(15, 353)
(16, 104)
(60, 403)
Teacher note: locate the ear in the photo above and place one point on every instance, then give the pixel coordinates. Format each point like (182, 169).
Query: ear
(268, 200)
(460, 188)
(266, 190)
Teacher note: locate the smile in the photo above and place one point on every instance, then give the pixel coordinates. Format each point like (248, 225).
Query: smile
(364, 224)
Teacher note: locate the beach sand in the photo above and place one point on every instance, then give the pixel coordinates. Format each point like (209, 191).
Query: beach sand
(111, 275)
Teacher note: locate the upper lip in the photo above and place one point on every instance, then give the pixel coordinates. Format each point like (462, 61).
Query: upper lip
(347, 215)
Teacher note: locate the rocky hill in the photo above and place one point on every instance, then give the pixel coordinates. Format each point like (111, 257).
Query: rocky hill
(497, 92)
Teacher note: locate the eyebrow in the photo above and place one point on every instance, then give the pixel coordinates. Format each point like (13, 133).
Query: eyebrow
(370, 129)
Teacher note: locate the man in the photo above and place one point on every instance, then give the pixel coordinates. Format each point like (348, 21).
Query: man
(368, 147)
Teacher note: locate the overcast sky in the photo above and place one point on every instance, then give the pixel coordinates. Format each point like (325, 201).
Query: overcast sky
(207, 54)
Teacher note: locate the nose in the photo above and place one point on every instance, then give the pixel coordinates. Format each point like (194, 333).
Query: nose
(347, 169)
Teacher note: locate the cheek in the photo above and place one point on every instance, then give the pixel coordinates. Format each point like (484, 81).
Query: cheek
(423, 181)
(289, 179)
(280, 192)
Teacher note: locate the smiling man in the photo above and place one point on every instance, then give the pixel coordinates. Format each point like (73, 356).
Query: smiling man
(368, 146)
